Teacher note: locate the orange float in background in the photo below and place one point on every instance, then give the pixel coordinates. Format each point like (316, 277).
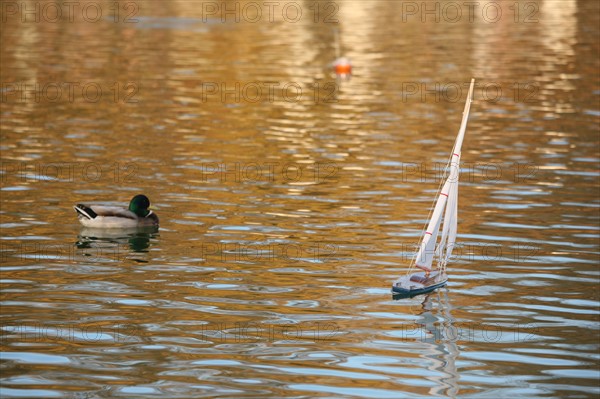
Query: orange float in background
(342, 67)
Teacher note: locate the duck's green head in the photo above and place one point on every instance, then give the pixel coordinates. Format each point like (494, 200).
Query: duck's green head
(139, 205)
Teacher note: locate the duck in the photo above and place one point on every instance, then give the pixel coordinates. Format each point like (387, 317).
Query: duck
(137, 215)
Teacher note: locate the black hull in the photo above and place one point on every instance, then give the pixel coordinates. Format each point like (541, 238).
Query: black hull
(404, 293)
(418, 284)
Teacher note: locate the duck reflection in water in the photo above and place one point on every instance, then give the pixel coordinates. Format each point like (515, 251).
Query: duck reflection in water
(109, 241)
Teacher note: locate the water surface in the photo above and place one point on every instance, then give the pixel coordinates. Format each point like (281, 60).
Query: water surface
(290, 200)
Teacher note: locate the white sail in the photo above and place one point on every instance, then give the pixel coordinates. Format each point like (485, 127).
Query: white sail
(446, 207)
(463, 123)
(446, 244)
(426, 252)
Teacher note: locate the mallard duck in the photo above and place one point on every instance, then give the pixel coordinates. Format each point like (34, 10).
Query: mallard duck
(137, 215)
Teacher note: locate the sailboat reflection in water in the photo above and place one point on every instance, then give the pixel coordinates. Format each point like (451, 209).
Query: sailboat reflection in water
(436, 340)
(446, 209)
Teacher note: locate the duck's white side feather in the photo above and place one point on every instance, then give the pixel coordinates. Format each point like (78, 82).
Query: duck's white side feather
(113, 211)
(107, 217)
(109, 222)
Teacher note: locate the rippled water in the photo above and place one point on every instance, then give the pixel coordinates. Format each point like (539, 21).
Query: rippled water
(289, 200)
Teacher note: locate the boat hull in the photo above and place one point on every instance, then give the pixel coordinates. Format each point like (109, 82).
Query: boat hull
(417, 283)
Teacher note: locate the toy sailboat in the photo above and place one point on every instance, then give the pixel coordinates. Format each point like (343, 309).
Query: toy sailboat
(446, 209)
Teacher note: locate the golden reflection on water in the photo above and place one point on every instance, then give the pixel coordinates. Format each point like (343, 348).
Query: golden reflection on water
(290, 200)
